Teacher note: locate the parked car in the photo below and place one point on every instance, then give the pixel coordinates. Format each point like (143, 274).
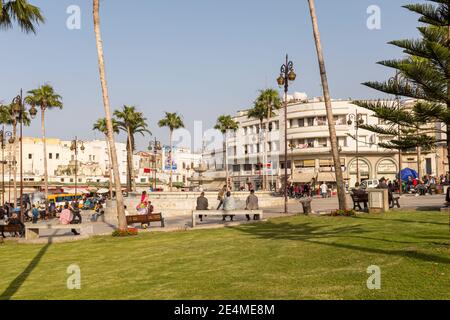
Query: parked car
(370, 184)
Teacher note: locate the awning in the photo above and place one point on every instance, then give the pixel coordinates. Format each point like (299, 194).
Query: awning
(102, 191)
(79, 190)
(303, 177)
(326, 177)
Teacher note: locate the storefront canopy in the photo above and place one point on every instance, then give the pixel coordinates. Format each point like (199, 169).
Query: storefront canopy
(303, 177)
(326, 177)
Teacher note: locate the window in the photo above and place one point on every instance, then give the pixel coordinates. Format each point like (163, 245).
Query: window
(322, 121)
(93, 158)
(236, 168)
(57, 156)
(342, 141)
(247, 167)
(62, 179)
(310, 122)
(90, 158)
(30, 156)
(143, 180)
(246, 149)
(301, 122)
(72, 157)
(50, 156)
(323, 142)
(310, 142)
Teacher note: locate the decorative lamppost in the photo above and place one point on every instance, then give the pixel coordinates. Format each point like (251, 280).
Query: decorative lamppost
(19, 110)
(75, 145)
(287, 75)
(154, 146)
(357, 119)
(3, 135)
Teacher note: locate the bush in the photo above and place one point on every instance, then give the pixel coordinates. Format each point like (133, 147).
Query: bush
(125, 233)
(343, 213)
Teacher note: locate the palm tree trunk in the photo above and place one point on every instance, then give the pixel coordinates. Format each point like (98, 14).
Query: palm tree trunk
(266, 155)
(44, 143)
(419, 163)
(109, 168)
(101, 65)
(14, 147)
(261, 146)
(170, 160)
(130, 172)
(331, 124)
(225, 153)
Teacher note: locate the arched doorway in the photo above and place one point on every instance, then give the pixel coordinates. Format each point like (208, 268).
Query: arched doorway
(387, 168)
(365, 171)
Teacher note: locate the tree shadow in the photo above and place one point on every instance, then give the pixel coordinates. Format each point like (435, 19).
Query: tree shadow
(403, 220)
(15, 285)
(307, 233)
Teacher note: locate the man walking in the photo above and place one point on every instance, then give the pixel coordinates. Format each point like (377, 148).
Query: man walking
(221, 196)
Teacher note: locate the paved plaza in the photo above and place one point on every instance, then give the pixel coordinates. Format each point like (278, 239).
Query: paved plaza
(183, 222)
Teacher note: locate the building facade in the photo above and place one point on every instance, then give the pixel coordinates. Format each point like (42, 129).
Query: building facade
(309, 148)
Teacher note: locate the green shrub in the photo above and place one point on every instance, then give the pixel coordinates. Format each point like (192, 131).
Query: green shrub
(125, 233)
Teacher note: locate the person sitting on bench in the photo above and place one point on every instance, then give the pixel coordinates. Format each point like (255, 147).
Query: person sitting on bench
(252, 204)
(361, 193)
(228, 205)
(14, 221)
(202, 204)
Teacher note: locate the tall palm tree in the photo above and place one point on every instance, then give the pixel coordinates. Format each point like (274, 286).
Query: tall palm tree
(173, 121)
(100, 126)
(224, 124)
(132, 122)
(11, 119)
(331, 124)
(25, 14)
(109, 124)
(264, 106)
(46, 98)
(258, 112)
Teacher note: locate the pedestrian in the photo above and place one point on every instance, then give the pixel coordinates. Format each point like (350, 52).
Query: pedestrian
(252, 204)
(324, 190)
(220, 196)
(66, 218)
(13, 221)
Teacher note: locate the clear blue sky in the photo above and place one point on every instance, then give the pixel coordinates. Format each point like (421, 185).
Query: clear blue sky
(201, 58)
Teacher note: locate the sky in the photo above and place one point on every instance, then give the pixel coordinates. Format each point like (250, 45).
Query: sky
(200, 58)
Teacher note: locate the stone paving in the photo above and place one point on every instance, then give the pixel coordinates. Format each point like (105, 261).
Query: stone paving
(184, 222)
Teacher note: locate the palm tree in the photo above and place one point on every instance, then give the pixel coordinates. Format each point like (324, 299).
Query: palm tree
(46, 98)
(331, 124)
(100, 125)
(264, 106)
(224, 124)
(10, 118)
(26, 15)
(109, 124)
(132, 122)
(173, 121)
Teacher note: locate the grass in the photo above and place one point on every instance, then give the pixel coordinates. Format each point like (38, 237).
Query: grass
(285, 258)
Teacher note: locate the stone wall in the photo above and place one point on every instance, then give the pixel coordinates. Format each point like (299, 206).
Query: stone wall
(182, 203)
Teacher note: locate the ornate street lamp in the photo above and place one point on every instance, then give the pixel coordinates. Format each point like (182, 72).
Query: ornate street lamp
(357, 120)
(287, 75)
(75, 145)
(3, 135)
(154, 146)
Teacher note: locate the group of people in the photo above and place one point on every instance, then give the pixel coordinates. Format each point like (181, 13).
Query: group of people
(228, 203)
(383, 183)
(300, 190)
(9, 217)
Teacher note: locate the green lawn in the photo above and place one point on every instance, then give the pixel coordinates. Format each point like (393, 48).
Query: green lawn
(285, 258)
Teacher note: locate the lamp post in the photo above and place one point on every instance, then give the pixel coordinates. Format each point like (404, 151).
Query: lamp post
(75, 145)
(154, 146)
(287, 75)
(357, 119)
(19, 110)
(3, 135)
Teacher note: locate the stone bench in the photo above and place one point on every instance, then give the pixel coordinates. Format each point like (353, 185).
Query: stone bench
(221, 213)
(32, 231)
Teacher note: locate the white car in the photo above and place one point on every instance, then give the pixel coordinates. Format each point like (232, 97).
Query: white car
(370, 184)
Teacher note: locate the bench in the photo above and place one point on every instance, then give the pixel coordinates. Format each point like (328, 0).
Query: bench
(32, 231)
(222, 213)
(146, 219)
(358, 199)
(11, 228)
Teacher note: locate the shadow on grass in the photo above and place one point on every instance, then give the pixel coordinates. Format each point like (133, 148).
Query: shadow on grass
(307, 233)
(15, 285)
(403, 220)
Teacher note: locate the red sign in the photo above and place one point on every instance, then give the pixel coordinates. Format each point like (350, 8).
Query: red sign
(147, 170)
